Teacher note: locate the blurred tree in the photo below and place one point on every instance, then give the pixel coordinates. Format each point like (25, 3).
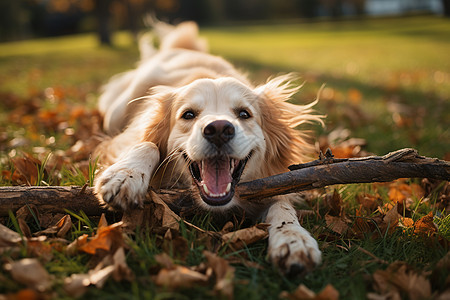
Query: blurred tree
(102, 10)
(446, 6)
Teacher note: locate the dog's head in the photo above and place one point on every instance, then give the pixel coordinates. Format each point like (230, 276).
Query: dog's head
(225, 131)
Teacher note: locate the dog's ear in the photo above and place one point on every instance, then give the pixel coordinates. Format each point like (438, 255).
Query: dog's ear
(285, 144)
(158, 129)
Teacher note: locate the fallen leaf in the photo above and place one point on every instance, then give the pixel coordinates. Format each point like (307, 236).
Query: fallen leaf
(390, 220)
(76, 285)
(60, 229)
(108, 239)
(26, 294)
(26, 231)
(26, 168)
(303, 293)
(165, 261)
(73, 247)
(398, 279)
(337, 224)
(30, 272)
(176, 245)
(361, 225)
(224, 274)
(406, 222)
(168, 218)
(180, 277)
(240, 238)
(28, 213)
(121, 269)
(368, 202)
(8, 237)
(155, 214)
(334, 203)
(425, 226)
(111, 265)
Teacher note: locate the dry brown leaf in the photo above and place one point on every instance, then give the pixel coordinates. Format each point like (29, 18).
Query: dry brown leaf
(334, 203)
(398, 279)
(73, 247)
(76, 285)
(164, 260)
(30, 272)
(28, 213)
(26, 231)
(41, 249)
(177, 246)
(155, 214)
(390, 220)
(102, 222)
(8, 237)
(26, 169)
(121, 269)
(60, 229)
(240, 238)
(303, 293)
(425, 226)
(180, 277)
(224, 274)
(168, 218)
(111, 265)
(300, 293)
(368, 202)
(361, 225)
(337, 224)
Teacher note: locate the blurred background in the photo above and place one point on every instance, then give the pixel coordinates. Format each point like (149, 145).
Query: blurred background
(21, 19)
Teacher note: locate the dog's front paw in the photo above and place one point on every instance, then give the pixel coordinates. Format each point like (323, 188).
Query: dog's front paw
(293, 250)
(121, 187)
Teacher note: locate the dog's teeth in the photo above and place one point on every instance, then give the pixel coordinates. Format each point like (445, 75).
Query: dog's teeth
(228, 188)
(206, 189)
(232, 165)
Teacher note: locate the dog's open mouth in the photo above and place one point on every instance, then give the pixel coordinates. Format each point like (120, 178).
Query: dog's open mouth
(217, 177)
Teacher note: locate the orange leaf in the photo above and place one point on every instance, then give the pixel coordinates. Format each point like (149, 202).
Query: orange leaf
(354, 96)
(303, 293)
(425, 226)
(27, 168)
(108, 238)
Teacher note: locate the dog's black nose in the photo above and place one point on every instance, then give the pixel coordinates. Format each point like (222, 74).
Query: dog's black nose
(219, 132)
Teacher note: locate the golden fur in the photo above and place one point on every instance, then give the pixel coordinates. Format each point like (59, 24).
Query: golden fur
(186, 118)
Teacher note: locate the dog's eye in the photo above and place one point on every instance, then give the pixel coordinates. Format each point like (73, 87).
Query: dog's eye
(243, 114)
(188, 115)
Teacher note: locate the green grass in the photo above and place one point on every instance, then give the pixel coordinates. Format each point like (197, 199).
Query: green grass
(375, 71)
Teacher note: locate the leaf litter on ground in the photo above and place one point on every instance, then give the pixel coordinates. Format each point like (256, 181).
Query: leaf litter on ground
(416, 208)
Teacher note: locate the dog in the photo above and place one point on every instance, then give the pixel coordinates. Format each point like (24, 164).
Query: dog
(186, 118)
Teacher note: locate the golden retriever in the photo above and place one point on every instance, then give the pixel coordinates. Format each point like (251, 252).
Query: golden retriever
(186, 118)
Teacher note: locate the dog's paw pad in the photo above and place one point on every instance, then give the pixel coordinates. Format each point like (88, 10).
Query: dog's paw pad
(121, 188)
(294, 252)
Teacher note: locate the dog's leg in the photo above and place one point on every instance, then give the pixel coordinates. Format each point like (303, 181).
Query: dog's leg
(291, 247)
(124, 184)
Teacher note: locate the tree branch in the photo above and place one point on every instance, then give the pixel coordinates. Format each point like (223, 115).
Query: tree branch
(405, 163)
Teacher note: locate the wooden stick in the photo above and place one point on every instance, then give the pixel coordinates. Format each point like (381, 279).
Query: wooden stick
(405, 163)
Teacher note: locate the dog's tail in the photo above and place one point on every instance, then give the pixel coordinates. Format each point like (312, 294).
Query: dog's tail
(184, 35)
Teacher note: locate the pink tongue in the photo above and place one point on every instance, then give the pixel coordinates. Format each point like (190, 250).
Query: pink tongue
(216, 175)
